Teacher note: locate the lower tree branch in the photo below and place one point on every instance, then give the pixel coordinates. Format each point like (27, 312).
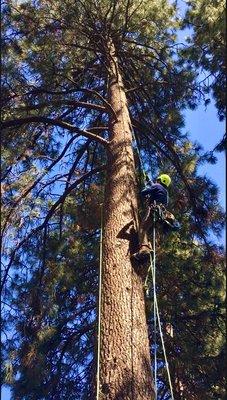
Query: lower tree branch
(54, 122)
(62, 103)
(48, 216)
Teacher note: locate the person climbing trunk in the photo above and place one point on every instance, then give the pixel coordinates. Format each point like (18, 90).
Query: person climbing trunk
(125, 364)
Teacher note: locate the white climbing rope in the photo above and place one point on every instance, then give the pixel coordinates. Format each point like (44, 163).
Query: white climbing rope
(154, 308)
(157, 317)
(164, 350)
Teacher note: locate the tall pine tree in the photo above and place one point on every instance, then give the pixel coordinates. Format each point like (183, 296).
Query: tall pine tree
(81, 77)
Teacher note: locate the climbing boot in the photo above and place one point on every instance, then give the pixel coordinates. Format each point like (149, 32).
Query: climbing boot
(143, 255)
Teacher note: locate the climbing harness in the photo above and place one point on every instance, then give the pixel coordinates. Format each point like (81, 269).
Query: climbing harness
(156, 316)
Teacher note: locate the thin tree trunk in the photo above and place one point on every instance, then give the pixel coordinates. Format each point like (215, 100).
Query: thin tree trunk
(125, 369)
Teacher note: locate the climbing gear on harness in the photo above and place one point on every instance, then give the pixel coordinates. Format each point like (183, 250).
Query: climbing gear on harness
(160, 212)
(165, 218)
(164, 179)
(170, 226)
(155, 213)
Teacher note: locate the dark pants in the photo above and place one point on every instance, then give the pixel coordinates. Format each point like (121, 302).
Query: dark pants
(145, 225)
(148, 222)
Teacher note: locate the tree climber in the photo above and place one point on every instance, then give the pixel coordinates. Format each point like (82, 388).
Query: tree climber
(156, 199)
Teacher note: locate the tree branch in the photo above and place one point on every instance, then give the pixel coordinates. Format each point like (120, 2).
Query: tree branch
(108, 105)
(54, 122)
(64, 102)
(48, 216)
(34, 184)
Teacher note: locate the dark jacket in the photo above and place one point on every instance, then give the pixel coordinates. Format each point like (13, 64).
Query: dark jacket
(156, 192)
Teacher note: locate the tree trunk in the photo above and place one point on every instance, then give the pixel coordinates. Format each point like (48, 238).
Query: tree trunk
(125, 369)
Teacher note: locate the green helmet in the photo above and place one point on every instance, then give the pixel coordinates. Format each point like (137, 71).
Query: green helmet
(164, 179)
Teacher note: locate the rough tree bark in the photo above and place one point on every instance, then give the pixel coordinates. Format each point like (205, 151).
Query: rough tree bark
(125, 369)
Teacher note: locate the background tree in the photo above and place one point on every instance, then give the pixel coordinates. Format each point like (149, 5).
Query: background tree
(69, 70)
(207, 46)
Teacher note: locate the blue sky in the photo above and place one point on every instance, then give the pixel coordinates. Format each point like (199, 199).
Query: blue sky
(204, 127)
(5, 394)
